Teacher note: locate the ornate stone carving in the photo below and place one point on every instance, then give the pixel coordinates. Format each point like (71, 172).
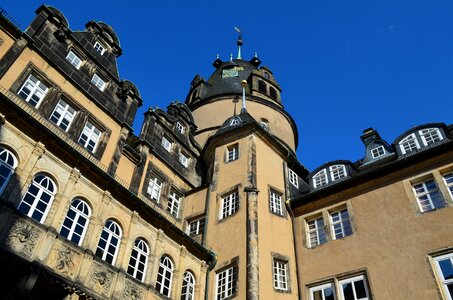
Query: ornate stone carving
(101, 280)
(132, 292)
(22, 238)
(62, 33)
(65, 261)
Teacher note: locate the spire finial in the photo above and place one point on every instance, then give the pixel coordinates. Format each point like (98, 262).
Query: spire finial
(239, 41)
(243, 108)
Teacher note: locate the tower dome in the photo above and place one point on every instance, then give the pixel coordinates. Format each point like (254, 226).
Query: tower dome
(215, 100)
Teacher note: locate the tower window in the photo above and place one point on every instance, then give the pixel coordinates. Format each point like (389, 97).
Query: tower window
(232, 152)
(230, 205)
(293, 178)
(273, 93)
(226, 282)
(262, 87)
(280, 272)
(275, 203)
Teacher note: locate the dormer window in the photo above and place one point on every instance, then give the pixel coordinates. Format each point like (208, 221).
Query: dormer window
(235, 121)
(430, 135)
(293, 178)
(74, 59)
(320, 178)
(337, 172)
(99, 48)
(409, 144)
(98, 82)
(378, 151)
(179, 127)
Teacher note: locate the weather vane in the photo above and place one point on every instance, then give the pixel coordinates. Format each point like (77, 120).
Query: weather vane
(239, 41)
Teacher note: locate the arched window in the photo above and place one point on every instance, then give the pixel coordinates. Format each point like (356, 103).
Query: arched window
(320, 178)
(8, 163)
(409, 143)
(262, 87)
(188, 286)
(109, 241)
(139, 260)
(273, 93)
(76, 221)
(164, 276)
(38, 198)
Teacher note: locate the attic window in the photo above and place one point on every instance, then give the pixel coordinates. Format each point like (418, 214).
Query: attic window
(378, 151)
(235, 121)
(320, 178)
(99, 48)
(337, 172)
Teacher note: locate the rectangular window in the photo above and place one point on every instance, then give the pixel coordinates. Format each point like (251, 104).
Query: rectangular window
(33, 91)
(98, 82)
(74, 59)
(226, 282)
(322, 292)
(90, 137)
(354, 288)
(444, 272)
(230, 205)
(174, 201)
(99, 48)
(166, 144)
(448, 178)
(293, 178)
(275, 202)
(316, 232)
(196, 227)
(280, 273)
(340, 224)
(183, 159)
(179, 127)
(377, 152)
(232, 152)
(428, 196)
(62, 115)
(154, 188)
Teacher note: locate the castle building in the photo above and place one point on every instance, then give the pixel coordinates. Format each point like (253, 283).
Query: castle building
(208, 200)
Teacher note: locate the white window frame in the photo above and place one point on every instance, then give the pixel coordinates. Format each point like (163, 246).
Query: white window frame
(111, 237)
(165, 273)
(322, 288)
(409, 144)
(155, 185)
(337, 172)
(166, 143)
(428, 195)
(90, 136)
(230, 205)
(377, 151)
(188, 286)
(196, 227)
(353, 280)
(430, 136)
(448, 180)
(226, 283)
(74, 59)
(340, 223)
(183, 159)
(9, 162)
(33, 91)
(98, 82)
(275, 202)
(320, 178)
(179, 127)
(76, 222)
(174, 203)
(99, 47)
(440, 276)
(293, 178)
(31, 203)
(315, 231)
(280, 274)
(138, 262)
(63, 115)
(232, 153)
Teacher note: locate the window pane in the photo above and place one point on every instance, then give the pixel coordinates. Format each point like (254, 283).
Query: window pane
(447, 269)
(347, 291)
(328, 294)
(360, 289)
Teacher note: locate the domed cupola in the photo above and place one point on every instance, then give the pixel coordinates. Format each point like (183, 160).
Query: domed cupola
(214, 100)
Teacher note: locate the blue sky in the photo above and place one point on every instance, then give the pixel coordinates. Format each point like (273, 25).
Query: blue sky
(344, 66)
